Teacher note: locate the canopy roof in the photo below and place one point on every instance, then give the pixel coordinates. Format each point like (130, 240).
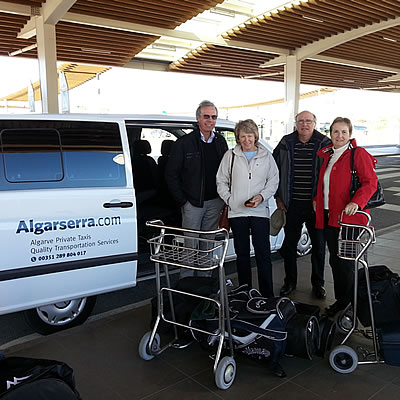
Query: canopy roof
(341, 43)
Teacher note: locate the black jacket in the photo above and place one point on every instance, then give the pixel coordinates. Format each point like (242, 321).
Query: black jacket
(185, 169)
(283, 155)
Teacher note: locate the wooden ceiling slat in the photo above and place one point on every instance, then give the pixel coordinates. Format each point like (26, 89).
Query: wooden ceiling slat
(156, 22)
(101, 34)
(161, 7)
(341, 13)
(283, 37)
(138, 13)
(328, 16)
(355, 8)
(392, 5)
(269, 42)
(112, 49)
(293, 30)
(373, 8)
(30, 3)
(356, 11)
(296, 16)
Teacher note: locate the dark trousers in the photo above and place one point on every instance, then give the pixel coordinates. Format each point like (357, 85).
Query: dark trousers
(298, 213)
(342, 270)
(259, 229)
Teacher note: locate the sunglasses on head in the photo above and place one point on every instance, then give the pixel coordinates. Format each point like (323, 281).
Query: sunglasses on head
(208, 116)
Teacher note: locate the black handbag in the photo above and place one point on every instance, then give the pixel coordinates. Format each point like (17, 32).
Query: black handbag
(377, 199)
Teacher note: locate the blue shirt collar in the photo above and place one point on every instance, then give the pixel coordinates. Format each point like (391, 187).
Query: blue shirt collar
(210, 139)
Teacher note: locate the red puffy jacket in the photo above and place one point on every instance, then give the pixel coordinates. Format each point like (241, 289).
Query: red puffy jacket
(339, 185)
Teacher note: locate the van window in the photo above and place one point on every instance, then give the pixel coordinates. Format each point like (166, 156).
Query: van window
(60, 154)
(31, 158)
(229, 137)
(155, 138)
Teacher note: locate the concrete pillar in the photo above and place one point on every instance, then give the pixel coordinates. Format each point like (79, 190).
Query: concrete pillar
(47, 57)
(292, 90)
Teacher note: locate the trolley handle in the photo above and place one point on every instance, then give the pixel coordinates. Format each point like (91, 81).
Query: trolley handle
(366, 215)
(363, 228)
(157, 223)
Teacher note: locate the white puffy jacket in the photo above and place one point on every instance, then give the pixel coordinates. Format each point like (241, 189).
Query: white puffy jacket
(260, 176)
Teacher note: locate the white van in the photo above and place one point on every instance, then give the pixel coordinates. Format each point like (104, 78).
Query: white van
(76, 191)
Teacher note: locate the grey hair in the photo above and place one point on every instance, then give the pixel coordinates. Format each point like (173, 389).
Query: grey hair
(246, 126)
(205, 103)
(314, 117)
(345, 121)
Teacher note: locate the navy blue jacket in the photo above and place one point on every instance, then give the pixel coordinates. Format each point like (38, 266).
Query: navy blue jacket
(185, 173)
(283, 155)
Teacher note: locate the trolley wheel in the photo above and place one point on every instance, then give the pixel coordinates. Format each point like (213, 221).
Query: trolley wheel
(225, 373)
(343, 359)
(144, 346)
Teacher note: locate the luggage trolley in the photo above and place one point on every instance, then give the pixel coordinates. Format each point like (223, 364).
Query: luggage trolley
(353, 243)
(198, 251)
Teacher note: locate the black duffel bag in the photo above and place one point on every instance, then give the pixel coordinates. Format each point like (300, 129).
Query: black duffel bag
(24, 378)
(385, 294)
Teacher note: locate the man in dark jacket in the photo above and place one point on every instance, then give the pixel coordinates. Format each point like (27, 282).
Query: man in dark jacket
(192, 168)
(299, 165)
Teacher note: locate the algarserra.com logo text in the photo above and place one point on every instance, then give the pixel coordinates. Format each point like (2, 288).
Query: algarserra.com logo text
(38, 228)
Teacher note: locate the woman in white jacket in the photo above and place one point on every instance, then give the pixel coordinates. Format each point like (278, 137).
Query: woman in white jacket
(255, 179)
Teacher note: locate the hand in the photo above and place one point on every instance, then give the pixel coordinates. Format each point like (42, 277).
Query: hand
(280, 204)
(351, 208)
(257, 200)
(314, 205)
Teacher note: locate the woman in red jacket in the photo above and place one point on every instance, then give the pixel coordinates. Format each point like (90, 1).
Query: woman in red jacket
(333, 197)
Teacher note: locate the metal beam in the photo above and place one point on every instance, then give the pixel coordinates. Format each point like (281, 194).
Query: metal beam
(168, 33)
(393, 78)
(351, 63)
(52, 12)
(46, 40)
(333, 41)
(10, 8)
(281, 60)
(292, 90)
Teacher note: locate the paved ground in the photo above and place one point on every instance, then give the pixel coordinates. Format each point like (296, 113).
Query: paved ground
(103, 354)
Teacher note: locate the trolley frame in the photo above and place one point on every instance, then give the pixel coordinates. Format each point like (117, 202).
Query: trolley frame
(353, 243)
(170, 249)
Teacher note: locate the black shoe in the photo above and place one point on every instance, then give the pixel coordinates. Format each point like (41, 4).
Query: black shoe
(319, 292)
(286, 289)
(333, 309)
(277, 370)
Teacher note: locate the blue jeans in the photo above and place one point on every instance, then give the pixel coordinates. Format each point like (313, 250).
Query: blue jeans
(258, 227)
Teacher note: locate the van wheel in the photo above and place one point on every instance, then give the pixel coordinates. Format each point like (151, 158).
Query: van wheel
(59, 316)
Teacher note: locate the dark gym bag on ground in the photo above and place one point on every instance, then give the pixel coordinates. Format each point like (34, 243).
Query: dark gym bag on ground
(36, 379)
(385, 294)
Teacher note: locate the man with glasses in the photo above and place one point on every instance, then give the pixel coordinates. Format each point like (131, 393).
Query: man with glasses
(298, 163)
(192, 168)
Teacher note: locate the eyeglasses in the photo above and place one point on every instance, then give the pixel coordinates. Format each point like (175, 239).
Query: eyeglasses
(305, 121)
(208, 116)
